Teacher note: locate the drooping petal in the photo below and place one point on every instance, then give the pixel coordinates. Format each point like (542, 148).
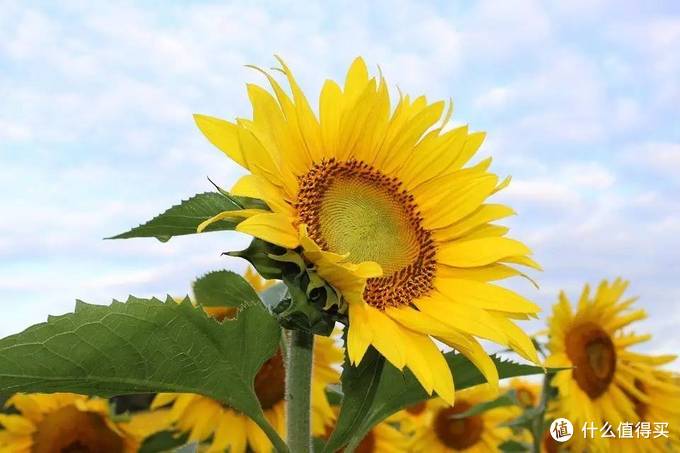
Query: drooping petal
(360, 334)
(272, 227)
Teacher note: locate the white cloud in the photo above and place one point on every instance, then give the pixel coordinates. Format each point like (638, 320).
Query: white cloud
(496, 98)
(589, 175)
(662, 157)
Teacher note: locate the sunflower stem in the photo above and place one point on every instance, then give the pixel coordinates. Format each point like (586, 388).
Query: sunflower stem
(539, 420)
(298, 390)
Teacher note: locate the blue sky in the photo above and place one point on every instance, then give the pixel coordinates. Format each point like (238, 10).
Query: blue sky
(580, 100)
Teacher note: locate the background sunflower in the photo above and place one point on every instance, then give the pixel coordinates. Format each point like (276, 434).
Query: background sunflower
(483, 432)
(605, 383)
(65, 422)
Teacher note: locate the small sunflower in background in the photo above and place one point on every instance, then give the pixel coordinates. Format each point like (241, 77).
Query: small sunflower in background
(65, 422)
(592, 340)
(385, 437)
(413, 417)
(480, 433)
(656, 396)
(527, 393)
(204, 417)
(380, 201)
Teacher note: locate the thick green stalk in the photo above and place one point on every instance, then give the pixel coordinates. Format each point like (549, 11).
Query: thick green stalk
(298, 390)
(539, 420)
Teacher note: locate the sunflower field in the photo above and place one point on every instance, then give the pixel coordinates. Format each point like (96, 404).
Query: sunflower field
(382, 304)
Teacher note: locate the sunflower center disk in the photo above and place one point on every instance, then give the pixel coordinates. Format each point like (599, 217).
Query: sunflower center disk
(270, 382)
(593, 354)
(349, 207)
(458, 433)
(526, 398)
(71, 430)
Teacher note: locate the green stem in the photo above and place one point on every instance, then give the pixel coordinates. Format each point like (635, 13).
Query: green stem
(298, 390)
(538, 422)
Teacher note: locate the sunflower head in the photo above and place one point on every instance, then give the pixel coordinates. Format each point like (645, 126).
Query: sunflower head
(527, 393)
(608, 381)
(445, 430)
(377, 200)
(66, 422)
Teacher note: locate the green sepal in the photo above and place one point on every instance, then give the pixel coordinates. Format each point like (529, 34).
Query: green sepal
(258, 254)
(300, 312)
(310, 304)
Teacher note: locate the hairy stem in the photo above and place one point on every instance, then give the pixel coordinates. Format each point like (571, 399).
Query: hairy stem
(538, 422)
(298, 390)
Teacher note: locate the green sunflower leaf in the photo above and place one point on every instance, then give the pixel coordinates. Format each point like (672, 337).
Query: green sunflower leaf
(185, 217)
(398, 390)
(506, 399)
(163, 442)
(515, 446)
(360, 385)
(224, 289)
(144, 345)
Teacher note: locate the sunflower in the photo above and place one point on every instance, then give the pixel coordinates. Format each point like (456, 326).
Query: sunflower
(592, 341)
(527, 393)
(203, 417)
(413, 417)
(482, 432)
(383, 438)
(65, 422)
(656, 396)
(379, 202)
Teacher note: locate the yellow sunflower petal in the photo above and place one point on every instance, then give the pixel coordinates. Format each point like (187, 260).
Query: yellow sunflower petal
(329, 113)
(461, 202)
(485, 213)
(274, 228)
(360, 334)
(254, 186)
(427, 363)
(479, 252)
(357, 77)
(222, 134)
(231, 433)
(17, 424)
(257, 439)
(241, 213)
(520, 342)
(432, 155)
(163, 399)
(485, 295)
(470, 348)
(386, 337)
(465, 318)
